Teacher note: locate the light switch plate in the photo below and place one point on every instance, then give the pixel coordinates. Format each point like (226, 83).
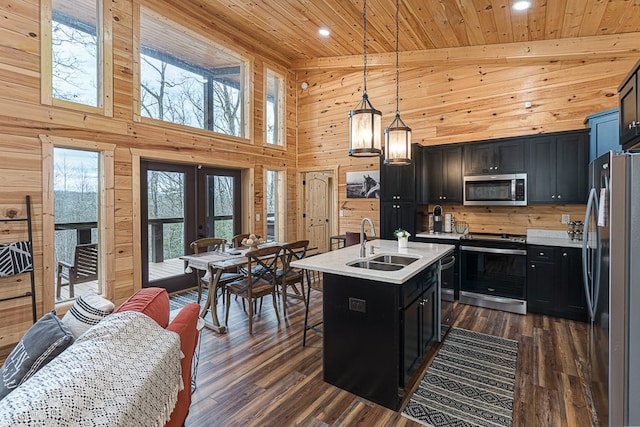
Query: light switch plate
(566, 218)
(257, 217)
(341, 212)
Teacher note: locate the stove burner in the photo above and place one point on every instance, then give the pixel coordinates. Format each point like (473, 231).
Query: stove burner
(504, 237)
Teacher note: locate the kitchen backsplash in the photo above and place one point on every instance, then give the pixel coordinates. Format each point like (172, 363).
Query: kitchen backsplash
(507, 219)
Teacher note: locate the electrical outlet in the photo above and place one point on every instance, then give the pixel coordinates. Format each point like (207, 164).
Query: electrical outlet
(566, 218)
(341, 212)
(257, 217)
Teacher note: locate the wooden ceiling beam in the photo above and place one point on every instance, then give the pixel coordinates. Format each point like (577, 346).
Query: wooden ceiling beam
(608, 46)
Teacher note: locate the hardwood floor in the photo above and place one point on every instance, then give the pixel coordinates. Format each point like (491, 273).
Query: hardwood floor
(269, 379)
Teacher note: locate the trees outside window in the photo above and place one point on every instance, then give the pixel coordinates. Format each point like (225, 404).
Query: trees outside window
(201, 86)
(275, 205)
(274, 116)
(75, 51)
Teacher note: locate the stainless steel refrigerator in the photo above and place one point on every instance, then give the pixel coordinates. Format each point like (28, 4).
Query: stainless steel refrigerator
(611, 263)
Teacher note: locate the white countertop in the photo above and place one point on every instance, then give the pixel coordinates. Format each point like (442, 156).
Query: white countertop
(336, 261)
(444, 236)
(551, 238)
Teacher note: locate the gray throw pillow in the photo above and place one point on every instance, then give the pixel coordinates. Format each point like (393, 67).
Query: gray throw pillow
(46, 339)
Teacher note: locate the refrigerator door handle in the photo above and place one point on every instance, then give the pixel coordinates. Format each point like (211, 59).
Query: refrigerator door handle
(587, 260)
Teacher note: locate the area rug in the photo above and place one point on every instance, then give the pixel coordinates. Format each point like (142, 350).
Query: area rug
(180, 300)
(469, 383)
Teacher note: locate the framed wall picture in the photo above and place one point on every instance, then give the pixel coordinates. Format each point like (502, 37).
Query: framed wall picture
(363, 185)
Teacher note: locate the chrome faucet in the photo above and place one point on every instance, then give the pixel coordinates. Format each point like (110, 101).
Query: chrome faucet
(363, 240)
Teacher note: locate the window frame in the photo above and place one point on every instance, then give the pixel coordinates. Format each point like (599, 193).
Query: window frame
(280, 108)
(280, 225)
(105, 62)
(245, 73)
(106, 221)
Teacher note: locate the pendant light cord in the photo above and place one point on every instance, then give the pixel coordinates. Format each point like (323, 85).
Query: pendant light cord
(364, 43)
(397, 66)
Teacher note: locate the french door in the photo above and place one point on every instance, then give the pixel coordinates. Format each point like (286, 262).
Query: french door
(182, 203)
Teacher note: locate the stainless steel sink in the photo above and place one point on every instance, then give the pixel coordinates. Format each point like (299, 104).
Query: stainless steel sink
(395, 259)
(384, 262)
(373, 265)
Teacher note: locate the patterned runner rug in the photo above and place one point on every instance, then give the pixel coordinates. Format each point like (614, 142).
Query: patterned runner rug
(469, 383)
(180, 300)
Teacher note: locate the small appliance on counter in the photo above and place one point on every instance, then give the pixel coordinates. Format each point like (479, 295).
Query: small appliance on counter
(437, 219)
(448, 220)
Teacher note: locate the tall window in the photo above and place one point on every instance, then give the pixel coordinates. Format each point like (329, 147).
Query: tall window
(187, 80)
(75, 51)
(274, 108)
(76, 204)
(276, 202)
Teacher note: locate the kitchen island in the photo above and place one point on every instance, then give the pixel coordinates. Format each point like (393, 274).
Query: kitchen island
(378, 324)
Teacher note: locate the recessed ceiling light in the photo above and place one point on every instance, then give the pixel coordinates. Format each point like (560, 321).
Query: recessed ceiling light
(522, 5)
(324, 32)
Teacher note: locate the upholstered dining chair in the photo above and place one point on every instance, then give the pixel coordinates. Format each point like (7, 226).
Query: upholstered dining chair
(209, 244)
(259, 282)
(289, 275)
(352, 238)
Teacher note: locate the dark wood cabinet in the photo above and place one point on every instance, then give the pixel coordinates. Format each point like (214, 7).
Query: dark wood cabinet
(421, 174)
(397, 183)
(554, 282)
(443, 174)
(629, 105)
(394, 215)
(558, 167)
(377, 334)
(494, 157)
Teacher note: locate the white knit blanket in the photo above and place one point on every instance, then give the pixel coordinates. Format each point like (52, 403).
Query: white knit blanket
(124, 371)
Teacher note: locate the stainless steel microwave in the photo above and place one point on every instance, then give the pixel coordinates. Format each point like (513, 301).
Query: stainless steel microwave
(496, 190)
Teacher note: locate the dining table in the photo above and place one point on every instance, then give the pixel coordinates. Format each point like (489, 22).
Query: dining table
(214, 263)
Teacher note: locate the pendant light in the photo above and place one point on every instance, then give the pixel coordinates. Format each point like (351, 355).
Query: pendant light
(365, 122)
(397, 142)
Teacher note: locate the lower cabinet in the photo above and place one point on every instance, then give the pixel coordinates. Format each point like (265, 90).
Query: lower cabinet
(377, 334)
(554, 282)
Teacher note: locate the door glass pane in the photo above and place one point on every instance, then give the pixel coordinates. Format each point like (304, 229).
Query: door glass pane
(275, 205)
(220, 206)
(166, 226)
(76, 202)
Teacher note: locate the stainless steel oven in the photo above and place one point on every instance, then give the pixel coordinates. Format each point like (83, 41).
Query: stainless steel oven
(493, 273)
(500, 190)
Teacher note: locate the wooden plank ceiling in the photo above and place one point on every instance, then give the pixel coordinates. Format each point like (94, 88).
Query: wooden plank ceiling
(287, 30)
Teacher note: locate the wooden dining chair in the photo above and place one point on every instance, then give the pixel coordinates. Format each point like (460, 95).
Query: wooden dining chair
(259, 282)
(236, 241)
(289, 275)
(209, 244)
(83, 269)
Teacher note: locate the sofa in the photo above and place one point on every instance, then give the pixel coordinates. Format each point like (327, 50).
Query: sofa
(133, 367)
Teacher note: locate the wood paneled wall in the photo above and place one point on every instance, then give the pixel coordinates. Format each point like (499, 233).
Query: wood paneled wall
(465, 94)
(23, 119)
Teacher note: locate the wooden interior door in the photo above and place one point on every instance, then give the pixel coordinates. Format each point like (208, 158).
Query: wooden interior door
(317, 208)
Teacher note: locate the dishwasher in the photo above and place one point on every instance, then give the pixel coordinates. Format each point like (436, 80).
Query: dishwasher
(447, 281)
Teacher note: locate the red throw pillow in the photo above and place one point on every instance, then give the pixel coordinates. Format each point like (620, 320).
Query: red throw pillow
(154, 302)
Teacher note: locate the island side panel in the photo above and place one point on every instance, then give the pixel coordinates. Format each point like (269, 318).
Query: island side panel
(361, 338)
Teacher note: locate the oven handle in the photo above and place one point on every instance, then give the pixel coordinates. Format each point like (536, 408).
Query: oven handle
(493, 250)
(448, 263)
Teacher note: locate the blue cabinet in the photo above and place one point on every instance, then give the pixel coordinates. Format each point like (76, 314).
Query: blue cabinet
(604, 134)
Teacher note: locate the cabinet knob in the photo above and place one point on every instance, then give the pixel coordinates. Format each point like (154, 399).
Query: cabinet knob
(553, 196)
(490, 168)
(491, 289)
(533, 266)
(444, 197)
(440, 197)
(495, 168)
(541, 253)
(559, 196)
(634, 124)
(564, 254)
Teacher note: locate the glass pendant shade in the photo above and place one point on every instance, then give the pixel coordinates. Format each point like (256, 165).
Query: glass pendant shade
(365, 130)
(397, 143)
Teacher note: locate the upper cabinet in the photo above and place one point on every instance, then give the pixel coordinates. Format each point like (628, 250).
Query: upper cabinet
(397, 183)
(494, 157)
(603, 132)
(443, 175)
(629, 101)
(557, 166)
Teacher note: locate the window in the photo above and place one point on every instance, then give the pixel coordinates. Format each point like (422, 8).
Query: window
(80, 60)
(189, 81)
(276, 200)
(274, 116)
